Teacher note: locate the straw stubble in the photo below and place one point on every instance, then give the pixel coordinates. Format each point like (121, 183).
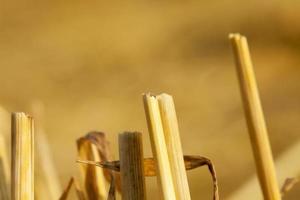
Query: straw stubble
(22, 157)
(132, 166)
(159, 147)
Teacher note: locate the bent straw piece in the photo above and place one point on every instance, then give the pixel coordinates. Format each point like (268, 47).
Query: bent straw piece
(159, 147)
(93, 178)
(255, 119)
(132, 166)
(172, 138)
(98, 139)
(4, 171)
(47, 184)
(22, 157)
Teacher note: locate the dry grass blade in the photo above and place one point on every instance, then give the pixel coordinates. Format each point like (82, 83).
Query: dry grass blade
(93, 178)
(191, 162)
(159, 147)
(4, 171)
(255, 119)
(132, 166)
(172, 138)
(22, 157)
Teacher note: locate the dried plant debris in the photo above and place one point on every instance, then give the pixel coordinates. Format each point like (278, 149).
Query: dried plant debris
(288, 185)
(94, 182)
(102, 145)
(112, 168)
(191, 162)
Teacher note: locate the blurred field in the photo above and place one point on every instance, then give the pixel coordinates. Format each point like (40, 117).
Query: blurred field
(89, 62)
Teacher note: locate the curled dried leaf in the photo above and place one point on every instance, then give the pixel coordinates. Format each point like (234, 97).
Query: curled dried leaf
(102, 145)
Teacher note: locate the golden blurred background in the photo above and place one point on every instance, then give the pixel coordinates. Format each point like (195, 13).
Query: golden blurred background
(89, 62)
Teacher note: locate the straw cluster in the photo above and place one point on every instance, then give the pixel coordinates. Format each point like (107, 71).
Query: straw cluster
(169, 164)
(104, 178)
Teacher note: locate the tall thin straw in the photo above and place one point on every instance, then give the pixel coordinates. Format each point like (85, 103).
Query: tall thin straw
(255, 119)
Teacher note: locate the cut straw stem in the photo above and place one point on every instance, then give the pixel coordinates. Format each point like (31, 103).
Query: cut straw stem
(22, 157)
(159, 147)
(132, 166)
(255, 119)
(93, 177)
(172, 138)
(4, 171)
